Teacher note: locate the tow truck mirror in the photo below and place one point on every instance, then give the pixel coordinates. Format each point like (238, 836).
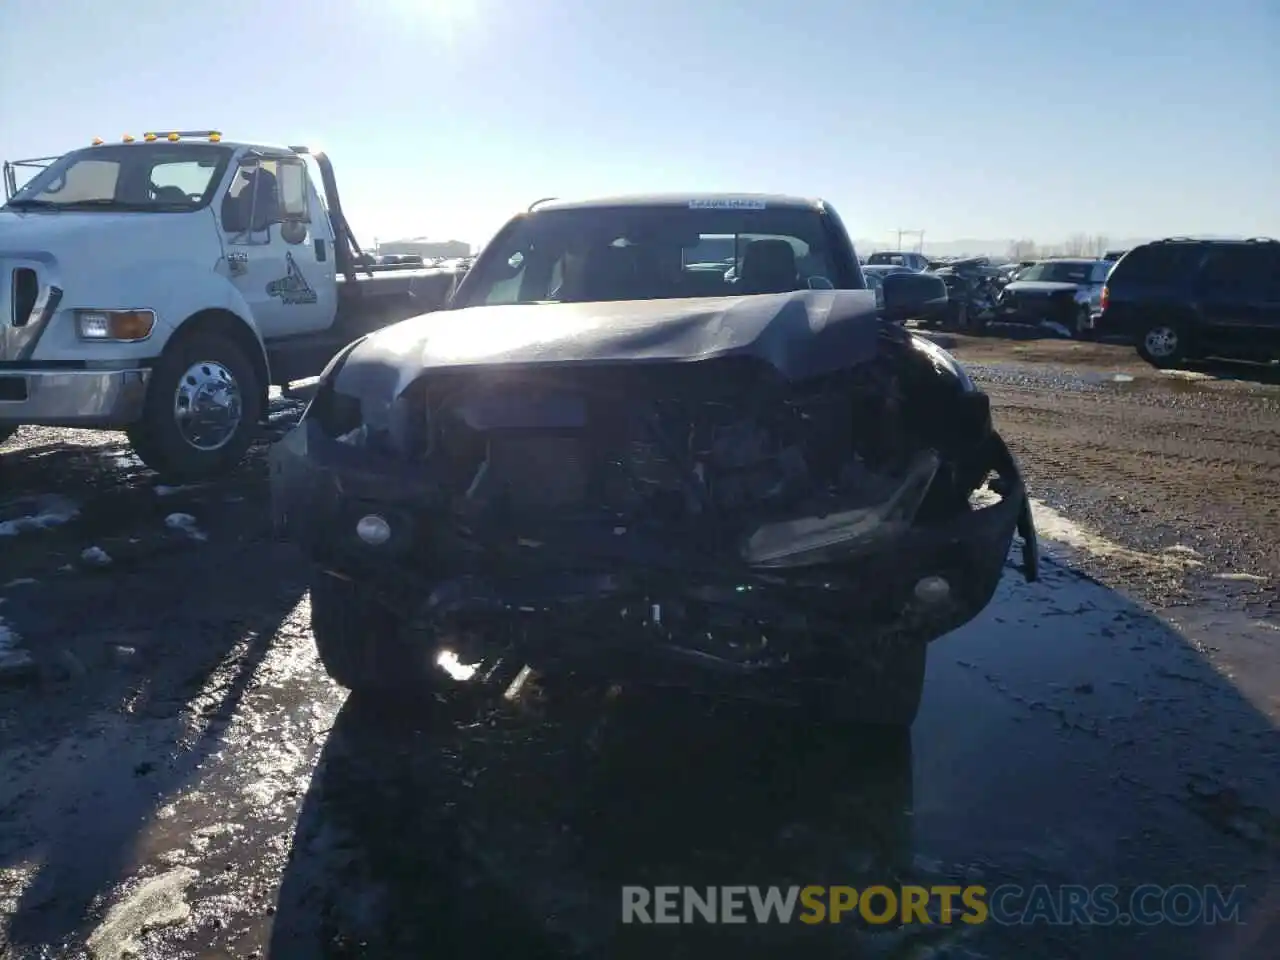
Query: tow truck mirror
(293, 192)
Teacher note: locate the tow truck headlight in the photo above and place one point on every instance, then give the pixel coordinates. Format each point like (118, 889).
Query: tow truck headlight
(124, 326)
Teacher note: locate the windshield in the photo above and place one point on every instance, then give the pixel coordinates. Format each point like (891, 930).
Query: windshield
(1057, 271)
(651, 253)
(163, 178)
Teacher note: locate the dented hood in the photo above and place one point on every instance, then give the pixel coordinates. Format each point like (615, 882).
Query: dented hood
(801, 335)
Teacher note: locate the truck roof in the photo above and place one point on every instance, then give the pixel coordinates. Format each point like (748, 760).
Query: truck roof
(162, 139)
(711, 200)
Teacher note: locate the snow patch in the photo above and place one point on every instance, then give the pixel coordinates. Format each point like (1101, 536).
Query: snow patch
(20, 582)
(1057, 528)
(96, 556)
(8, 638)
(50, 511)
(1245, 577)
(159, 901)
(162, 490)
(1052, 525)
(187, 524)
(13, 659)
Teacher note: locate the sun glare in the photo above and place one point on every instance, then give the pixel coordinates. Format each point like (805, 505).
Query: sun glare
(448, 19)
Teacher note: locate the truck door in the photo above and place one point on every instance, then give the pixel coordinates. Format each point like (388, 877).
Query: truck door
(272, 253)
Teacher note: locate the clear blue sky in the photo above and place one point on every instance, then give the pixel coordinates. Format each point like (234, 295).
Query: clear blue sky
(987, 118)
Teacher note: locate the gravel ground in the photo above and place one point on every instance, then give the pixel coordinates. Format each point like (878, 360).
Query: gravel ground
(1152, 459)
(182, 781)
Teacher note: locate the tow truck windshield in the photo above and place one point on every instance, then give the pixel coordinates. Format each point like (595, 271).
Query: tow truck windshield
(167, 178)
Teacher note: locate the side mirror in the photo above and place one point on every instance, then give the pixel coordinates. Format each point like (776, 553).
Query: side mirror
(913, 296)
(292, 185)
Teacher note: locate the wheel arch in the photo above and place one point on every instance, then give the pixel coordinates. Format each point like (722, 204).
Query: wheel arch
(218, 321)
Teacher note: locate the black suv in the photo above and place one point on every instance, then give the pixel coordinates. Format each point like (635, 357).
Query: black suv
(1181, 299)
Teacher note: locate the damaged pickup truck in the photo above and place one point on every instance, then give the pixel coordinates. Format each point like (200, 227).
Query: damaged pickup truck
(663, 439)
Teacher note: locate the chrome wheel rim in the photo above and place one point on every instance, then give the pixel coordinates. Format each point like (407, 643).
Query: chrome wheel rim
(207, 406)
(1161, 341)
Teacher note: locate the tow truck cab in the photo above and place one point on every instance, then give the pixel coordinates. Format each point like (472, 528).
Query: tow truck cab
(162, 284)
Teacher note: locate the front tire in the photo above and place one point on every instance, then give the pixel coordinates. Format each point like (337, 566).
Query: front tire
(362, 644)
(202, 409)
(1163, 344)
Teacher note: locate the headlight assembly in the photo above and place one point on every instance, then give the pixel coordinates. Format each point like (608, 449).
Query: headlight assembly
(943, 361)
(115, 326)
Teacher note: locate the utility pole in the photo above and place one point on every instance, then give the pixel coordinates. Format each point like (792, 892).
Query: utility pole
(919, 235)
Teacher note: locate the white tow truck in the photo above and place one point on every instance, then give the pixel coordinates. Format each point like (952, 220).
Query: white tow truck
(162, 284)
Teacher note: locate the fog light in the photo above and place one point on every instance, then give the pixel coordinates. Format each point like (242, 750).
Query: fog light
(373, 530)
(932, 590)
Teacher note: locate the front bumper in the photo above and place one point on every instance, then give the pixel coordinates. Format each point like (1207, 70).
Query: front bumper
(59, 397)
(618, 587)
(1034, 311)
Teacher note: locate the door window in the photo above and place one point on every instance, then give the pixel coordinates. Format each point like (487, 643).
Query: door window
(1236, 271)
(253, 201)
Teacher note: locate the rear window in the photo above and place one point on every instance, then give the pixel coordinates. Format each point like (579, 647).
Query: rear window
(887, 260)
(1158, 263)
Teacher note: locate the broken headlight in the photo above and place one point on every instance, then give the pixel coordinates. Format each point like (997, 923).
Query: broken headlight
(943, 362)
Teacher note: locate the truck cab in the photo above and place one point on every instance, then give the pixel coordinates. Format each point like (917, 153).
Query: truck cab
(162, 284)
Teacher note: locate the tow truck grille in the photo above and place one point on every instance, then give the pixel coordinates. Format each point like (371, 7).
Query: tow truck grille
(25, 287)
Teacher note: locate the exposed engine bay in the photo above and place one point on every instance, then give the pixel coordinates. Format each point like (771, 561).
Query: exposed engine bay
(708, 454)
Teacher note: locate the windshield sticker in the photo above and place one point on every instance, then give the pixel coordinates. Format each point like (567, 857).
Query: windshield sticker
(292, 289)
(727, 205)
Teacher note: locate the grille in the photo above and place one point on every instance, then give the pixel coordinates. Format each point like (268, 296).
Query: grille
(540, 470)
(26, 289)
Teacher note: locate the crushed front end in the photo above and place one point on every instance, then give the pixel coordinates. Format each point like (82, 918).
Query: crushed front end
(706, 513)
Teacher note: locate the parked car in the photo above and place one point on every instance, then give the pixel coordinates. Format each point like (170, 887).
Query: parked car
(1182, 299)
(607, 458)
(1064, 291)
(915, 262)
(973, 288)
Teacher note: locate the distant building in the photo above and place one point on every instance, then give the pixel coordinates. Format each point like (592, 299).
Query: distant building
(426, 248)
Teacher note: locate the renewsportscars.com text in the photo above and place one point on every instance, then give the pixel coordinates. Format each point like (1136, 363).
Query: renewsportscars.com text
(1007, 905)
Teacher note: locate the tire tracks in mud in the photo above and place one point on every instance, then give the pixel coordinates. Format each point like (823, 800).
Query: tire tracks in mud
(1153, 470)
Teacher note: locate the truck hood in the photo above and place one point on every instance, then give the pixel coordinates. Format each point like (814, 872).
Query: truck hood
(801, 335)
(1040, 286)
(56, 234)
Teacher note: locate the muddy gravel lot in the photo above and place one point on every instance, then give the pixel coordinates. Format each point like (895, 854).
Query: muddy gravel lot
(182, 780)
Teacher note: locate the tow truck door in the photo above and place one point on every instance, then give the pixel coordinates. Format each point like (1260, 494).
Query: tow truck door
(278, 251)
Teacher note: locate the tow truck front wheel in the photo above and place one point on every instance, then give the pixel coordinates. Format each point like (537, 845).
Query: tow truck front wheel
(202, 409)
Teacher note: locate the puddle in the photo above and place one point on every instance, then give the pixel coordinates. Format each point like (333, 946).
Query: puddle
(1102, 376)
